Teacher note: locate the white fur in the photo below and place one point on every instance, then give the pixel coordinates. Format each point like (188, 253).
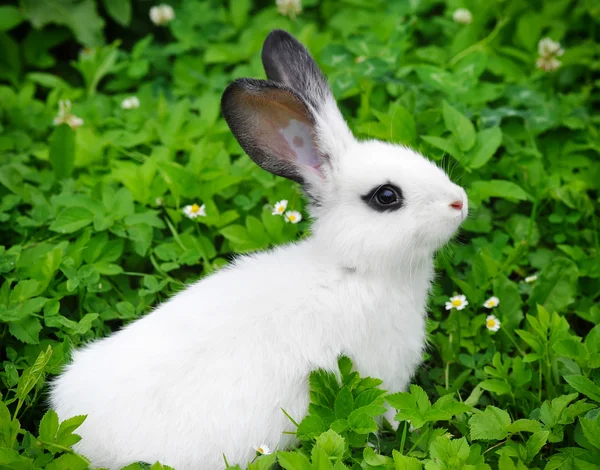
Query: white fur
(207, 373)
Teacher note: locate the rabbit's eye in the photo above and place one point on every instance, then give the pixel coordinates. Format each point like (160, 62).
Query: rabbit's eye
(384, 198)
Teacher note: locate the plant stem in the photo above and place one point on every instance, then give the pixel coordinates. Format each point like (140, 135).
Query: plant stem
(481, 44)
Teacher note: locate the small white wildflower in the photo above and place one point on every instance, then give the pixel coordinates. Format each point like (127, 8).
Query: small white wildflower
(65, 117)
(491, 302)
(162, 14)
(158, 201)
(530, 279)
(547, 47)
(289, 8)
(548, 64)
(462, 16)
(549, 50)
(458, 302)
(280, 207)
(100, 286)
(130, 103)
(263, 449)
(492, 323)
(293, 217)
(194, 211)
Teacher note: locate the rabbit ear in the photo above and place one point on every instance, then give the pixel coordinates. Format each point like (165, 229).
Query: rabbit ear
(274, 125)
(286, 61)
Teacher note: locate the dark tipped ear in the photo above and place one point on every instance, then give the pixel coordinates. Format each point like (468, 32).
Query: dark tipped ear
(287, 61)
(274, 126)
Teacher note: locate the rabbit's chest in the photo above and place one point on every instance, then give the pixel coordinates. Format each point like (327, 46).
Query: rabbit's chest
(389, 338)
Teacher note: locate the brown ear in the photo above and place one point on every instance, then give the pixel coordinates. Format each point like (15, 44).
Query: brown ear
(274, 126)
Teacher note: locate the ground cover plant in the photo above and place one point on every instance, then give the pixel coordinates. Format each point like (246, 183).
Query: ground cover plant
(120, 183)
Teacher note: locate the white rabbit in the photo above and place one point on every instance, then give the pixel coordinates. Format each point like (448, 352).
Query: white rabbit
(207, 372)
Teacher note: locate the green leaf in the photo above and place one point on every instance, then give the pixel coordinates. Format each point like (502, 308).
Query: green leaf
(373, 459)
(264, 462)
(10, 459)
(499, 387)
(491, 424)
(25, 290)
(119, 10)
(310, 427)
(572, 348)
(9, 18)
(460, 126)
(69, 462)
(447, 146)
(48, 426)
(332, 444)
(26, 330)
(344, 403)
(293, 461)
(535, 443)
(239, 10)
(584, 385)
(556, 285)
(524, 425)
(64, 435)
(320, 460)
(236, 234)
(591, 430)
(361, 422)
(62, 151)
(33, 374)
(71, 219)
(80, 16)
(484, 190)
(402, 462)
(488, 142)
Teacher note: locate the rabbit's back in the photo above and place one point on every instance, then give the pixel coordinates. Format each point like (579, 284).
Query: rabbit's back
(207, 372)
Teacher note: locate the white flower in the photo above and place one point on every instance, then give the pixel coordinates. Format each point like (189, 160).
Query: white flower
(280, 207)
(130, 103)
(158, 201)
(492, 323)
(293, 217)
(263, 449)
(549, 50)
(458, 302)
(65, 117)
(547, 47)
(530, 279)
(462, 16)
(548, 64)
(289, 8)
(162, 14)
(491, 302)
(194, 211)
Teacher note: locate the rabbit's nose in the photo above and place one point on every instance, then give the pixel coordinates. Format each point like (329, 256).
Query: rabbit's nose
(458, 205)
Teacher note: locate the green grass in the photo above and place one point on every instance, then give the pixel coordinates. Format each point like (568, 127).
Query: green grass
(93, 232)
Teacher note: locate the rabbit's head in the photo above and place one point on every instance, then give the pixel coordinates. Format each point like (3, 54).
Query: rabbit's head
(373, 203)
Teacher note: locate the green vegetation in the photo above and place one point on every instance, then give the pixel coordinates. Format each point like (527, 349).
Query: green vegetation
(93, 231)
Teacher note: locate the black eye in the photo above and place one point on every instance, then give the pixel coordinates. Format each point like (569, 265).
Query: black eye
(384, 198)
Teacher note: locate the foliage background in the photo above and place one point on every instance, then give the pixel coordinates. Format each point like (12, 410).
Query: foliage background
(93, 233)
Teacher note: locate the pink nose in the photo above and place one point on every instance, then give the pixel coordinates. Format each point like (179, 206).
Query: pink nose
(458, 205)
